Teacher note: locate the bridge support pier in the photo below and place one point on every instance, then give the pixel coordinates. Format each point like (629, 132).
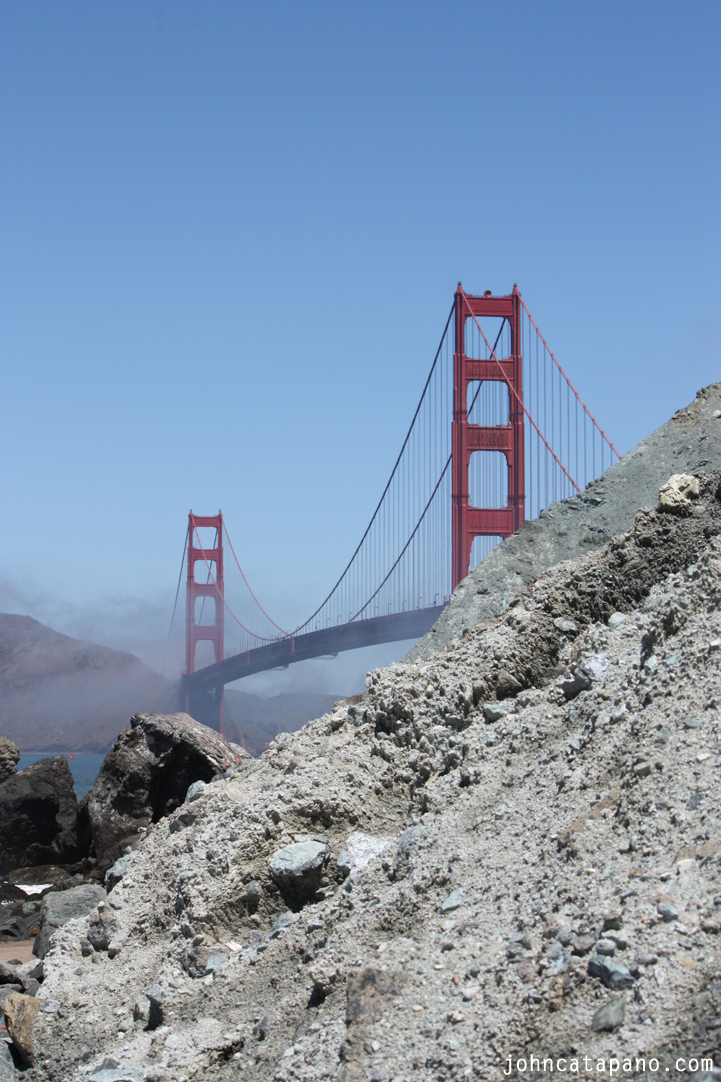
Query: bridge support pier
(205, 704)
(468, 521)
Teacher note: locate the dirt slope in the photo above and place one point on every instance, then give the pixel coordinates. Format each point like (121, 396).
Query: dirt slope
(490, 885)
(689, 442)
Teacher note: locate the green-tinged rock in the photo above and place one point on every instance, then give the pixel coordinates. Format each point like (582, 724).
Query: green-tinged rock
(453, 901)
(611, 1016)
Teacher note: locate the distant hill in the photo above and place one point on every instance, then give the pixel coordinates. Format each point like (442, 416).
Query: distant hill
(253, 722)
(61, 694)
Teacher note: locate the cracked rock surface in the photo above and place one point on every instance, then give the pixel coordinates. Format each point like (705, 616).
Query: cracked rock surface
(546, 883)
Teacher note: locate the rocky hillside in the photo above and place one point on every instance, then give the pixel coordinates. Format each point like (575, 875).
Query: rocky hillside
(509, 850)
(689, 442)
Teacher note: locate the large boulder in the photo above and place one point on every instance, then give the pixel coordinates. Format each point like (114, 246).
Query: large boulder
(146, 775)
(9, 757)
(61, 906)
(38, 816)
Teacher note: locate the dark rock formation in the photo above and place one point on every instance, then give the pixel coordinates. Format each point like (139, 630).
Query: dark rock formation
(146, 775)
(38, 813)
(9, 756)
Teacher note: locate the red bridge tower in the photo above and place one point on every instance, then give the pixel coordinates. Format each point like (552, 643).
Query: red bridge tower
(470, 522)
(210, 711)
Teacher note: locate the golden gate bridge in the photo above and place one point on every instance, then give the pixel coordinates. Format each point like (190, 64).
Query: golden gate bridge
(498, 435)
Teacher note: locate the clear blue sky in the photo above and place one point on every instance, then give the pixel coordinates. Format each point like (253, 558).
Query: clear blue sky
(230, 238)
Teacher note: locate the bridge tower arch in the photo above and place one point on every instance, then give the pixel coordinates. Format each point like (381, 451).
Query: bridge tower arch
(469, 522)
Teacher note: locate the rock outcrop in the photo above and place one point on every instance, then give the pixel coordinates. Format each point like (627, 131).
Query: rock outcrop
(690, 442)
(503, 866)
(9, 757)
(146, 775)
(61, 906)
(38, 813)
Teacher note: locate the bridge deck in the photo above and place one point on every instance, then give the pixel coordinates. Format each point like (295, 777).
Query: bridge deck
(329, 640)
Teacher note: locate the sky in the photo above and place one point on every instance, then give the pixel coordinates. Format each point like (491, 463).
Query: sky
(231, 234)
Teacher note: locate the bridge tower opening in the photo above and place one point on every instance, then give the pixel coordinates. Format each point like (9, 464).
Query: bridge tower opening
(470, 522)
(204, 583)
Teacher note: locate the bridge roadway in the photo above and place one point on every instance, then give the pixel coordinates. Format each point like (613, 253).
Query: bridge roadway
(329, 640)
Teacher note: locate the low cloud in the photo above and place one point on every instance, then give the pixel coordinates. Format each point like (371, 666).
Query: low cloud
(140, 626)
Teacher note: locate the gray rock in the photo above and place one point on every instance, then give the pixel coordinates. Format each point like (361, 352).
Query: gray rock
(117, 871)
(576, 683)
(364, 848)
(157, 994)
(582, 944)
(298, 862)
(667, 912)
(344, 862)
(216, 963)
(61, 906)
(101, 929)
(194, 791)
(254, 890)
(558, 959)
(568, 627)
(32, 970)
(117, 942)
(591, 671)
(612, 973)
(495, 711)
(615, 620)
(453, 901)
(50, 1006)
(281, 922)
(7, 1064)
(611, 1016)
(8, 973)
(112, 1071)
(14, 928)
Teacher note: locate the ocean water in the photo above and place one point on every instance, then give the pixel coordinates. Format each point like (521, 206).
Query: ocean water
(83, 766)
